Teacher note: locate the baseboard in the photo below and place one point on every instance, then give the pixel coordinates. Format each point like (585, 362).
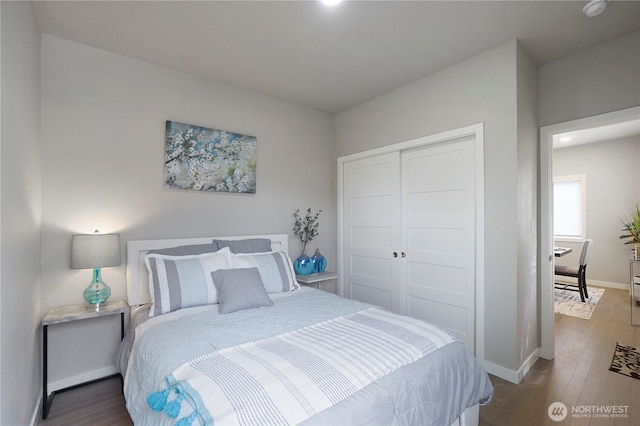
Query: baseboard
(527, 364)
(37, 412)
(500, 371)
(68, 382)
(595, 283)
(607, 284)
(513, 376)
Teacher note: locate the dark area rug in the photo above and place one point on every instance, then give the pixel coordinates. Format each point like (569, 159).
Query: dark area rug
(626, 360)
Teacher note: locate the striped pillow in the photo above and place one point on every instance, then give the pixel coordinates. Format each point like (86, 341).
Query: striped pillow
(275, 269)
(177, 282)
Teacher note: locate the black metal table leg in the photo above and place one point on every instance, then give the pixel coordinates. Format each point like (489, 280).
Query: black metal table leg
(65, 314)
(47, 400)
(121, 339)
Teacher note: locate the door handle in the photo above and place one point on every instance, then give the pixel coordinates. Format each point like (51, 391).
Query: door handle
(395, 254)
(404, 254)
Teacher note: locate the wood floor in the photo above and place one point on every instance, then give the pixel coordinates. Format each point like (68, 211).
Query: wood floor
(98, 404)
(579, 376)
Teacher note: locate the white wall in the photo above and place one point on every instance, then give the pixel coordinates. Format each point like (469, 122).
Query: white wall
(103, 122)
(595, 81)
(613, 177)
(20, 211)
(481, 89)
(527, 200)
(102, 125)
(584, 86)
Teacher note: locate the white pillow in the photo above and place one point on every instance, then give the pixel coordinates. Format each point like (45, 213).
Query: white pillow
(276, 269)
(177, 282)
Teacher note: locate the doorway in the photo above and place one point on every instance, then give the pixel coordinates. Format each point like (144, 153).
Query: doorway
(546, 272)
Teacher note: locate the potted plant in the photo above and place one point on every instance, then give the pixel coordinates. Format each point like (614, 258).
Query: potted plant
(632, 230)
(306, 229)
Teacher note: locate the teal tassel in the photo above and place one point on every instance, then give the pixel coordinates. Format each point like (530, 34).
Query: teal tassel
(173, 408)
(158, 400)
(187, 421)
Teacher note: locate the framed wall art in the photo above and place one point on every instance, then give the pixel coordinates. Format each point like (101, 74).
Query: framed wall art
(202, 159)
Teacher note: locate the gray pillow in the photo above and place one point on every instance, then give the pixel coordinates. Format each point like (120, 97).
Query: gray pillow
(250, 245)
(186, 250)
(239, 289)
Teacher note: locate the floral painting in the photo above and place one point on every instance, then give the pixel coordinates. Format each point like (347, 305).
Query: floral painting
(202, 159)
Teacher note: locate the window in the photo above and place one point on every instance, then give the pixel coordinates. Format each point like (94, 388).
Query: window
(569, 207)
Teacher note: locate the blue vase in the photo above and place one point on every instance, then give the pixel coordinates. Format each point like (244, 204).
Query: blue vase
(303, 265)
(319, 262)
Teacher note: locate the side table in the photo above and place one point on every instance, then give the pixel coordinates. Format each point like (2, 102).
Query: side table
(634, 291)
(316, 279)
(67, 314)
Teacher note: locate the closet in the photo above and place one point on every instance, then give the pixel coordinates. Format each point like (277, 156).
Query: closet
(409, 226)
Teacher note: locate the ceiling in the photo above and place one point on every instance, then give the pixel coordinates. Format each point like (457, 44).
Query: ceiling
(329, 58)
(625, 129)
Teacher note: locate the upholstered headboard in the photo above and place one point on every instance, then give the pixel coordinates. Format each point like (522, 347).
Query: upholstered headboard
(138, 278)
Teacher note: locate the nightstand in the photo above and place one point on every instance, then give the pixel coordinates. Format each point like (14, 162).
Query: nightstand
(67, 314)
(316, 279)
(634, 291)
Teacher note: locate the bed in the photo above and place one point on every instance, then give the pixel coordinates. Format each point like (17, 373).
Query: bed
(217, 351)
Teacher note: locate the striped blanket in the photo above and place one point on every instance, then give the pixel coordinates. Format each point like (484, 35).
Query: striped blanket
(288, 378)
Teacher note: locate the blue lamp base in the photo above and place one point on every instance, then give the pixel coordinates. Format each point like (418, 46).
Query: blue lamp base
(98, 292)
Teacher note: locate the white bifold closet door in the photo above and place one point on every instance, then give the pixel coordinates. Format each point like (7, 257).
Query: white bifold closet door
(372, 213)
(409, 233)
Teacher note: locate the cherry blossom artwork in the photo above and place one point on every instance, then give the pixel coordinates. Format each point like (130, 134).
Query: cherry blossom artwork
(203, 159)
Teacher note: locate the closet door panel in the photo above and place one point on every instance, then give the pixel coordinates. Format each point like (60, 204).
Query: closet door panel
(438, 235)
(452, 318)
(371, 218)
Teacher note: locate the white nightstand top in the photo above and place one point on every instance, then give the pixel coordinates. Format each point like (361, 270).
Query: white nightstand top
(317, 277)
(82, 311)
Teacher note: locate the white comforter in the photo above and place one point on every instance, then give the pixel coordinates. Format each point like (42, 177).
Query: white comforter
(429, 388)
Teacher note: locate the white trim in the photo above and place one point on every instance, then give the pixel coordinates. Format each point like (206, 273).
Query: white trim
(514, 376)
(607, 284)
(37, 411)
(546, 265)
(527, 364)
(472, 130)
(500, 371)
(79, 379)
(477, 132)
(137, 277)
(578, 240)
(547, 325)
(479, 135)
(340, 223)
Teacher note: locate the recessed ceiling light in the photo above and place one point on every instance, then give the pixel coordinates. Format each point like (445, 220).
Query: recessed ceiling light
(594, 8)
(331, 2)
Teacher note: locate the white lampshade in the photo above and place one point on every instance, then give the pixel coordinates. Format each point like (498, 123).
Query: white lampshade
(95, 251)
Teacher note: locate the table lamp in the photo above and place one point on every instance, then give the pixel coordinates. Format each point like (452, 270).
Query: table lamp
(95, 251)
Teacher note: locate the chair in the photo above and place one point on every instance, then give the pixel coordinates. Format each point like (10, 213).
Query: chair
(579, 272)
